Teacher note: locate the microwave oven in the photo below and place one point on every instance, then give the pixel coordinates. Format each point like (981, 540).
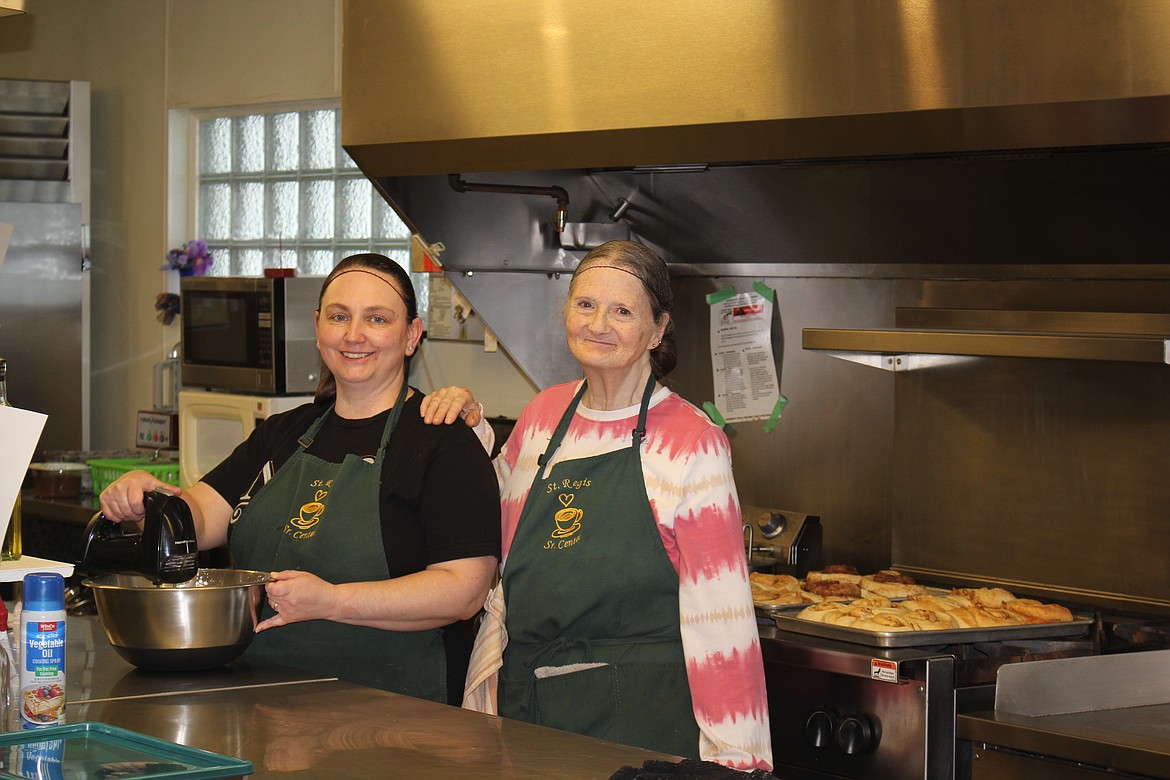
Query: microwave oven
(212, 424)
(250, 334)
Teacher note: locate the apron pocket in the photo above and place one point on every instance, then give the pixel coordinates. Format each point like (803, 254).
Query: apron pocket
(647, 705)
(582, 701)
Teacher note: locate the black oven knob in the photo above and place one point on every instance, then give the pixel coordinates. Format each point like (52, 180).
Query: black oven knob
(820, 728)
(856, 734)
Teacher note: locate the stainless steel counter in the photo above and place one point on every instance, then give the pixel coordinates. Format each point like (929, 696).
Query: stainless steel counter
(95, 672)
(1130, 739)
(284, 721)
(333, 729)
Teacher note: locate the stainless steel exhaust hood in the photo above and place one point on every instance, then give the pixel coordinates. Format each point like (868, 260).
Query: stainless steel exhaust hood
(760, 132)
(509, 86)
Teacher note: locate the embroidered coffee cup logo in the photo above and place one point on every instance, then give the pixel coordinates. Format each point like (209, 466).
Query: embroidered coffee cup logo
(568, 520)
(310, 513)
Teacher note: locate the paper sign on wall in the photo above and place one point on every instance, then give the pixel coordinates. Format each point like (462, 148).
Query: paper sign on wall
(22, 430)
(746, 387)
(451, 315)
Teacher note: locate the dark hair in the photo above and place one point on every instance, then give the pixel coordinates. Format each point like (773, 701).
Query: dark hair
(327, 386)
(650, 269)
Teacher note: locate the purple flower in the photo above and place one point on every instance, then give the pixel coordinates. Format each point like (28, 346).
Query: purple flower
(197, 249)
(191, 258)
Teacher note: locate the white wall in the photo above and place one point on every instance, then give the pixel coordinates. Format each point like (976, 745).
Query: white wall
(494, 379)
(144, 58)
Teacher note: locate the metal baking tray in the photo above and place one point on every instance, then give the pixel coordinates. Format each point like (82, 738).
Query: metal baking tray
(772, 610)
(954, 636)
(96, 750)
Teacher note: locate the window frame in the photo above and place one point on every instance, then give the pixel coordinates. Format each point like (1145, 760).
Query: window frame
(185, 197)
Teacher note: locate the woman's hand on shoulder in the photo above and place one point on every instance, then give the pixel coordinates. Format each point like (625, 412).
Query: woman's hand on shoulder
(447, 404)
(121, 501)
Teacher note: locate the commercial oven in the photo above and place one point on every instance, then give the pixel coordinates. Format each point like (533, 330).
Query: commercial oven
(886, 707)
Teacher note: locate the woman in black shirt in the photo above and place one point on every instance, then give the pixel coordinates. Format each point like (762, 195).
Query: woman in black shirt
(382, 533)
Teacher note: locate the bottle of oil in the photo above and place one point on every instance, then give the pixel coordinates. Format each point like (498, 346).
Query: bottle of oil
(12, 549)
(12, 546)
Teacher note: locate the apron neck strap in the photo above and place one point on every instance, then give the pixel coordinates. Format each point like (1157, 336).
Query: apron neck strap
(306, 438)
(638, 434)
(395, 413)
(562, 426)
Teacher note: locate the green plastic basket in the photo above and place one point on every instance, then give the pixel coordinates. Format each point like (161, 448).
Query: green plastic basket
(106, 470)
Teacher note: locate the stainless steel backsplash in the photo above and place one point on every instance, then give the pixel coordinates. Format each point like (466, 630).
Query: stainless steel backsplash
(1047, 474)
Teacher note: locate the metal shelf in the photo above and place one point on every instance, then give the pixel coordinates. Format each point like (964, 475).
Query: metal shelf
(931, 337)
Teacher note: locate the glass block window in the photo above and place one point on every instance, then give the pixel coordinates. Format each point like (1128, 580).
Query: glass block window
(276, 190)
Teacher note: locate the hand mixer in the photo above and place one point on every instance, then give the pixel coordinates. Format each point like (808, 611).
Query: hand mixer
(165, 551)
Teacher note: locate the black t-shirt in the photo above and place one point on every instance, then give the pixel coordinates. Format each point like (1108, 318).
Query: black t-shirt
(440, 500)
(439, 497)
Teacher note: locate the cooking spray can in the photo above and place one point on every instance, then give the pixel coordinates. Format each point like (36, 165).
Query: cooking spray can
(42, 649)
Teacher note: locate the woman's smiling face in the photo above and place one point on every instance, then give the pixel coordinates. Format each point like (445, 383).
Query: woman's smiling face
(363, 331)
(609, 320)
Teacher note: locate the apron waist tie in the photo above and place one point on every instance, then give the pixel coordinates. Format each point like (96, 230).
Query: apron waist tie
(538, 653)
(556, 646)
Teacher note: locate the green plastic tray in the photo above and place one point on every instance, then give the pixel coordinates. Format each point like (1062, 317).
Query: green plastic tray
(106, 470)
(94, 751)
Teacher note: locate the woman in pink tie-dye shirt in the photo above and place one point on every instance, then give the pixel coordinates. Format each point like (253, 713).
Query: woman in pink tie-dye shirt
(624, 610)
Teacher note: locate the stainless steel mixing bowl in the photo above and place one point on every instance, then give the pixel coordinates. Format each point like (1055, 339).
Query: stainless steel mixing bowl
(200, 624)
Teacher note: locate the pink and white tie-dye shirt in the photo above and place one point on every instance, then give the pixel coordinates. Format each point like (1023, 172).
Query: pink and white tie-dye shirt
(686, 461)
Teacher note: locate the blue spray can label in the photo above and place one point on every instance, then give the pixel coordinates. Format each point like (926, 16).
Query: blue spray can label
(41, 760)
(42, 636)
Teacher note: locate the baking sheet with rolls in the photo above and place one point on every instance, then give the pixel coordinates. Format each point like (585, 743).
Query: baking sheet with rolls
(775, 594)
(772, 610)
(960, 616)
(1078, 626)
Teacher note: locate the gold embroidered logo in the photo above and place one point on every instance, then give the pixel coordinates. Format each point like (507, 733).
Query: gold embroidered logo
(309, 516)
(568, 520)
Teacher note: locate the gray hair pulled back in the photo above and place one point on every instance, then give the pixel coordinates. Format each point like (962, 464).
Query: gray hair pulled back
(651, 270)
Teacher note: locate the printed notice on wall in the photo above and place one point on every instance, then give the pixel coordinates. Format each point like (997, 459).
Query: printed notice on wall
(746, 387)
(451, 316)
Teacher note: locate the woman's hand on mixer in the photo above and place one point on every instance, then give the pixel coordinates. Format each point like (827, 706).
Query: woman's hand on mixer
(122, 500)
(447, 404)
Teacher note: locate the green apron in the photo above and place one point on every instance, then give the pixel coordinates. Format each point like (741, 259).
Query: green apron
(324, 518)
(588, 582)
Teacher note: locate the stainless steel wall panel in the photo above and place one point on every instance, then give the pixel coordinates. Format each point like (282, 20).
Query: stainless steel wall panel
(524, 310)
(1047, 472)
(831, 452)
(41, 318)
(44, 284)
